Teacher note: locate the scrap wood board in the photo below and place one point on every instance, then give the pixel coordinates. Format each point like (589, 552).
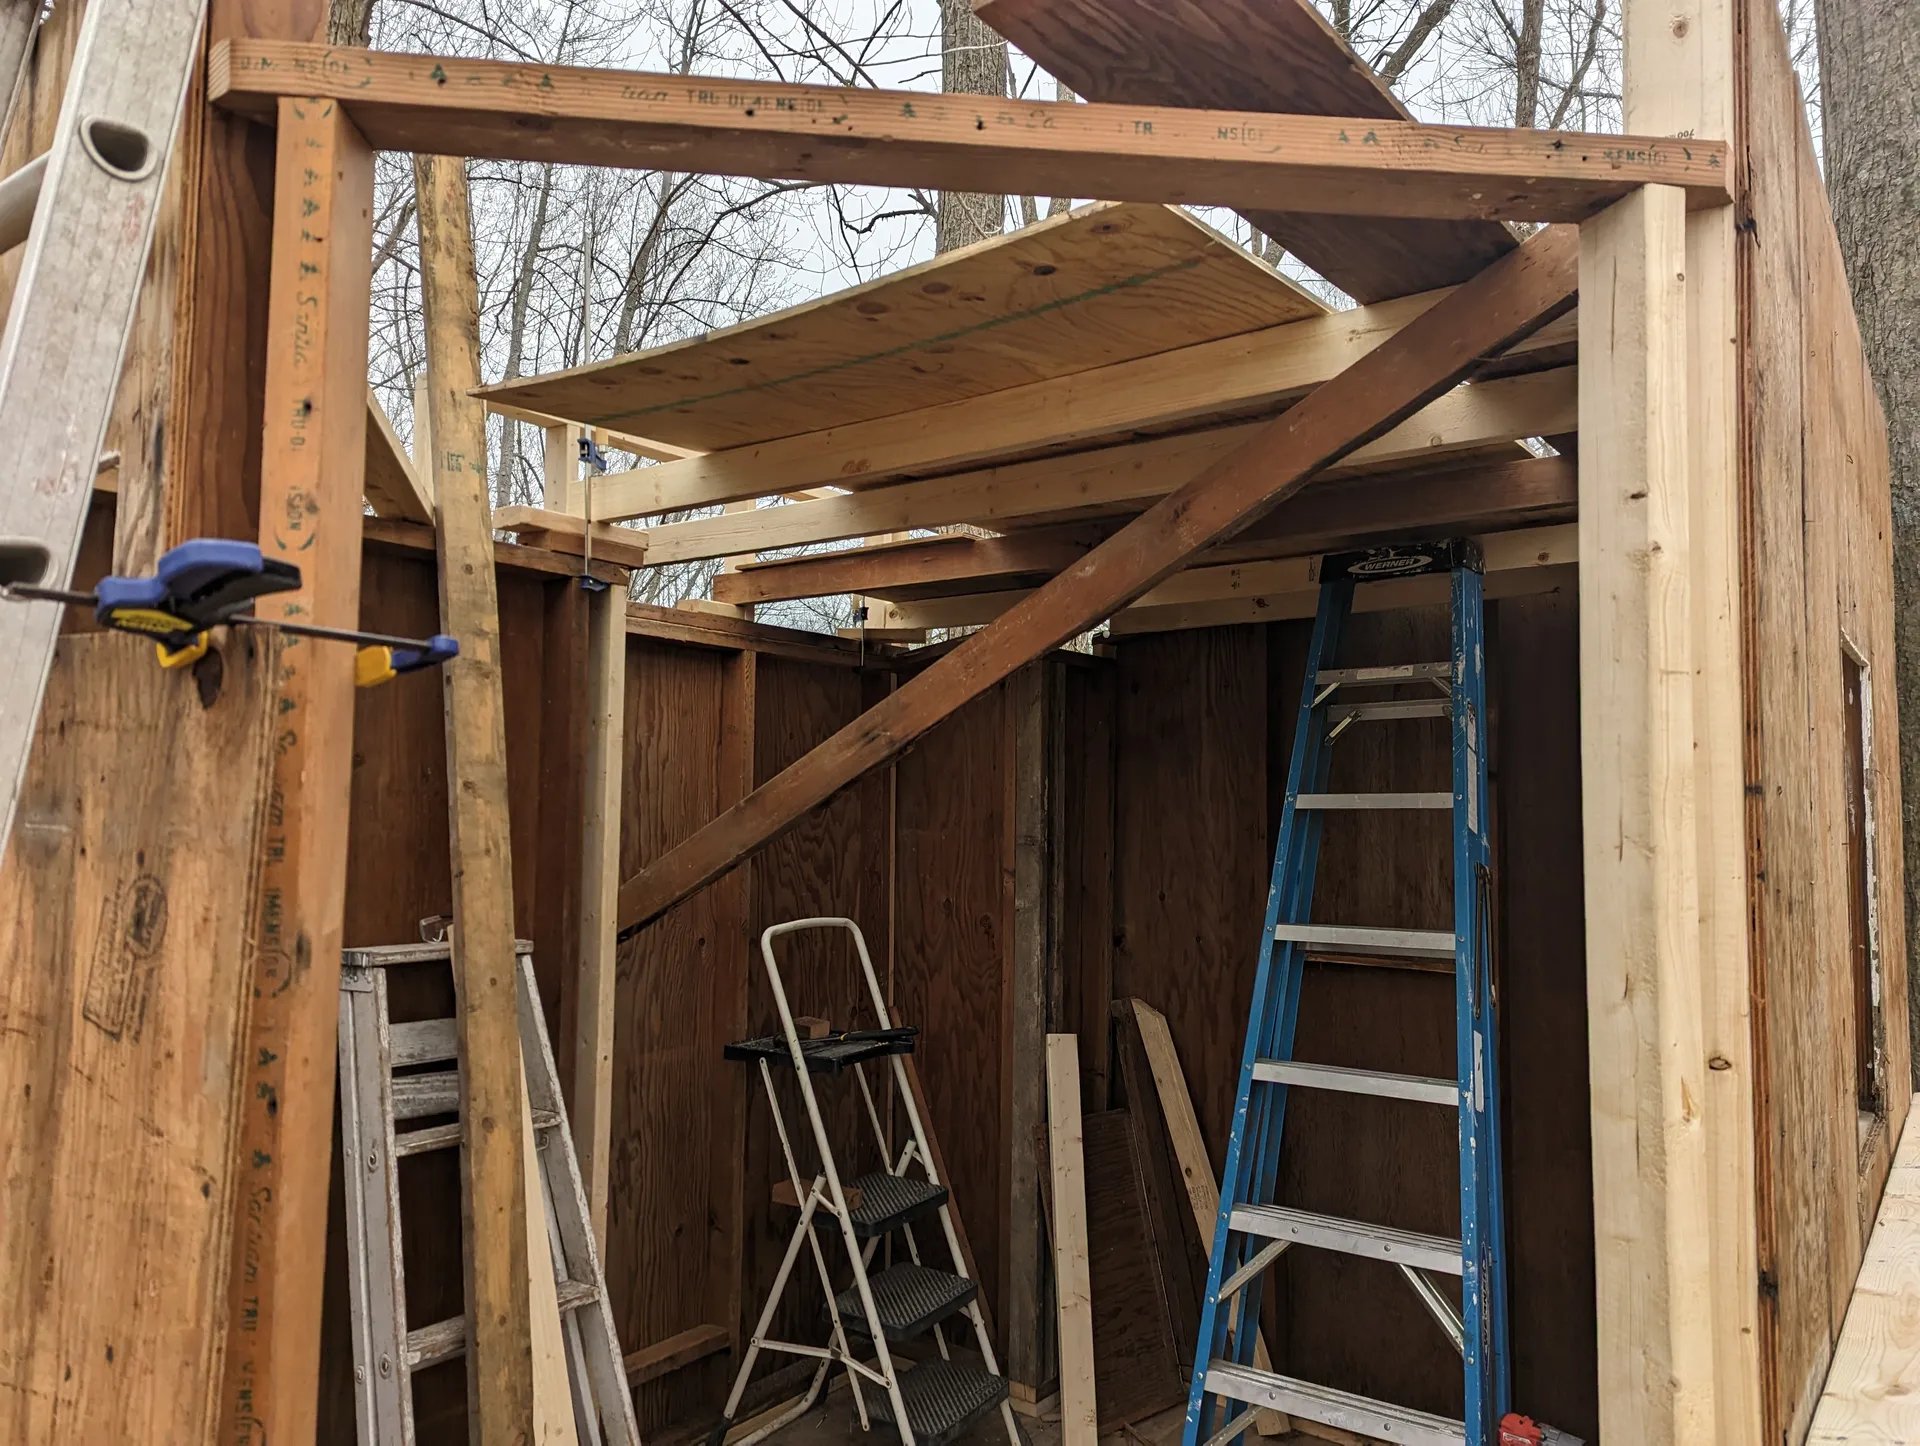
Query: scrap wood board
(1103, 284)
(1275, 56)
(124, 1013)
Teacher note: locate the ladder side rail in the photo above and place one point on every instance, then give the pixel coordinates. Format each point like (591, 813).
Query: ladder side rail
(829, 1168)
(1484, 1317)
(20, 22)
(578, 1255)
(391, 1320)
(1282, 898)
(1306, 829)
(809, 1202)
(379, 1339)
(72, 317)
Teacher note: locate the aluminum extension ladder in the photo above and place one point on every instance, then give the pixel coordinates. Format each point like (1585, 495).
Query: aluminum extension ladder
(92, 200)
(391, 1073)
(1252, 1230)
(937, 1401)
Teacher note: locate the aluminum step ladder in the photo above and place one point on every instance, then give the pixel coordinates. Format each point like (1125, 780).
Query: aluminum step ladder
(1253, 1229)
(937, 1401)
(393, 1073)
(92, 202)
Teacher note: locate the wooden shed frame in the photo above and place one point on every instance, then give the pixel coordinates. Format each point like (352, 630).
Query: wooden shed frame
(1732, 528)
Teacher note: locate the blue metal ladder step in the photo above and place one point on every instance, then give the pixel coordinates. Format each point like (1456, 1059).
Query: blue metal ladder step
(1254, 1229)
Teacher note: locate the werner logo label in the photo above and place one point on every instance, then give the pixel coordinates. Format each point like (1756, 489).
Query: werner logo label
(1391, 564)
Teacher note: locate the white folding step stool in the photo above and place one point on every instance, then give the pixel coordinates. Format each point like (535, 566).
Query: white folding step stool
(937, 1401)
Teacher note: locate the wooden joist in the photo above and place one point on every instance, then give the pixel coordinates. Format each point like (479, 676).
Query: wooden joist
(502, 1374)
(1511, 299)
(1236, 377)
(1345, 512)
(312, 453)
(675, 1353)
(505, 110)
(1274, 591)
(1257, 55)
(564, 532)
(1117, 480)
(393, 484)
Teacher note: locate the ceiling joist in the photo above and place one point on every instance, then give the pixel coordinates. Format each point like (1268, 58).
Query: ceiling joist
(1357, 167)
(1114, 479)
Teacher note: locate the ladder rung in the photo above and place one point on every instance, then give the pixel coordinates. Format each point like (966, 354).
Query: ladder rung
(1358, 1081)
(1349, 1237)
(444, 1340)
(1374, 800)
(445, 1137)
(1408, 943)
(1388, 712)
(1381, 1420)
(1395, 673)
(417, 1095)
(426, 1041)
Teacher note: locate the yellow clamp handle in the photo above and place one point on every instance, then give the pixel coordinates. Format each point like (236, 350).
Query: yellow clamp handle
(372, 667)
(192, 653)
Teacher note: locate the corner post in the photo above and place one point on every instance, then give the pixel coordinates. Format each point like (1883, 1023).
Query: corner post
(312, 476)
(1681, 66)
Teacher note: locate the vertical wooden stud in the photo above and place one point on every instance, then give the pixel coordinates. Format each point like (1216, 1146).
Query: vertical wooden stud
(592, 1112)
(1079, 1411)
(314, 458)
(1645, 982)
(500, 1366)
(1029, 1343)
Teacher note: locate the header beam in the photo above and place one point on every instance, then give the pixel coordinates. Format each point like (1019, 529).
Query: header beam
(510, 111)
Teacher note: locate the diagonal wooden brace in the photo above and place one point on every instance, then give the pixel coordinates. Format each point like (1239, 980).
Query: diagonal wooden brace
(1515, 296)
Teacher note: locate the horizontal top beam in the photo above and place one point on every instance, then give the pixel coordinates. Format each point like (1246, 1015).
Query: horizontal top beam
(720, 126)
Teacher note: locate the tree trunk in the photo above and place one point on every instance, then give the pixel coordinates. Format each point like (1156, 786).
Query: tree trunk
(1526, 63)
(523, 278)
(973, 62)
(350, 22)
(1869, 55)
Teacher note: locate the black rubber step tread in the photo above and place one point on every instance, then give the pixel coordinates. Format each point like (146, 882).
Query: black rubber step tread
(943, 1399)
(889, 1201)
(823, 1056)
(911, 1300)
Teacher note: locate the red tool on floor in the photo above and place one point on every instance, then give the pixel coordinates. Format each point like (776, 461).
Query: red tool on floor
(1518, 1430)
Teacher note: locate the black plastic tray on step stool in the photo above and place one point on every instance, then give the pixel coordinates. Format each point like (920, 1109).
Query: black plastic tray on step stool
(944, 1399)
(829, 1055)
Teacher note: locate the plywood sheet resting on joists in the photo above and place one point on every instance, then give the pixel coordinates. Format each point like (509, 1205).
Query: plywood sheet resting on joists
(1259, 55)
(1103, 284)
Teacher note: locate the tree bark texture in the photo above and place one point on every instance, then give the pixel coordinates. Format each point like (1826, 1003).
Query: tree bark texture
(350, 22)
(973, 62)
(1869, 56)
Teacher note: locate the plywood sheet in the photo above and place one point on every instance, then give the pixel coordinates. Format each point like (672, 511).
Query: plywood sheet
(952, 951)
(128, 907)
(1136, 1367)
(1104, 284)
(1256, 55)
(1816, 579)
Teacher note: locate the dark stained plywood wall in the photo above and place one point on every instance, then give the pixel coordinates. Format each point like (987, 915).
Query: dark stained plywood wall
(673, 1095)
(398, 872)
(952, 931)
(1816, 581)
(833, 864)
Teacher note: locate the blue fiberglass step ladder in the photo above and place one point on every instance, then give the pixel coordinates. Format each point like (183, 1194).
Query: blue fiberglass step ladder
(1252, 1231)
